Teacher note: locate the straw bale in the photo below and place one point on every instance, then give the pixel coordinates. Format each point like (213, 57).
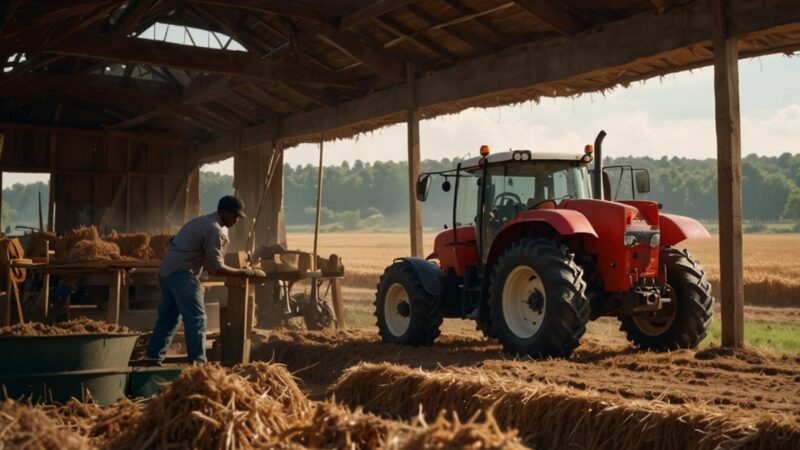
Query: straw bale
(37, 243)
(275, 381)
(24, 426)
(68, 240)
(551, 416)
(206, 407)
(88, 251)
(446, 434)
(133, 245)
(76, 326)
(159, 244)
(334, 426)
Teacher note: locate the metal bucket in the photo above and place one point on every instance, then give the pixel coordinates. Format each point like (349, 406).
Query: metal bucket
(56, 368)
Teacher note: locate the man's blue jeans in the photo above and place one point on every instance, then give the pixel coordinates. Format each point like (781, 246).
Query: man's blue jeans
(181, 296)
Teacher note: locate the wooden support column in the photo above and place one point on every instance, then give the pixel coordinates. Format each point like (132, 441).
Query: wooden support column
(237, 318)
(729, 174)
(114, 296)
(51, 200)
(415, 208)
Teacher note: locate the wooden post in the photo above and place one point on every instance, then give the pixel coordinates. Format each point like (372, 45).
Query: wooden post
(114, 293)
(51, 200)
(315, 252)
(336, 293)
(237, 318)
(415, 208)
(729, 174)
(2, 229)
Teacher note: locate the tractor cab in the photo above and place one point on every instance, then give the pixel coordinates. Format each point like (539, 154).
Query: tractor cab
(537, 246)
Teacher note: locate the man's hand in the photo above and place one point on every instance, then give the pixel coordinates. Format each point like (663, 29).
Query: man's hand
(254, 273)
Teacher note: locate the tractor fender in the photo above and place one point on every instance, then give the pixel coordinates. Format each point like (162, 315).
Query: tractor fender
(675, 229)
(564, 222)
(428, 273)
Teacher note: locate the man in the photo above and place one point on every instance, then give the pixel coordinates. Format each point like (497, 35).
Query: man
(200, 243)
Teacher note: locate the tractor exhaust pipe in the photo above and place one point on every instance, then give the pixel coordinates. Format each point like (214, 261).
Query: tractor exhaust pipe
(597, 188)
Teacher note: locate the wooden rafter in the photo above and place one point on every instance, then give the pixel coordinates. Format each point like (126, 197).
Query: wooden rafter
(143, 51)
(129, 20)
(399, 30)
(479, 16)
(553, 15)
(387, 66)
(433, 24)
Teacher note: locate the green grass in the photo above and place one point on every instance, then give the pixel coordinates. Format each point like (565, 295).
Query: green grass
(359, 318)
(774, 336)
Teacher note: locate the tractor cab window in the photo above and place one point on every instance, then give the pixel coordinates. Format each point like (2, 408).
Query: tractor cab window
(468, 198)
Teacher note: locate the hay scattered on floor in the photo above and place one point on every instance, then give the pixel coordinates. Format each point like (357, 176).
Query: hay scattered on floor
(452, 434)
(26, 427)
(206, 407)
(275, 381)
(159, 243)
(90, 251)
(77, 326)
(553, 416)
(37, 243)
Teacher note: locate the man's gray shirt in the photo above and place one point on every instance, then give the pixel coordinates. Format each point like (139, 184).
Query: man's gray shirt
(200, 243)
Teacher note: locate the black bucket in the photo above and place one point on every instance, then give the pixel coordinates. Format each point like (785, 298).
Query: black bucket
(57, 368)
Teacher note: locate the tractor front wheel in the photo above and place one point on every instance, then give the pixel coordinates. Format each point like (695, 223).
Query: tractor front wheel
(407, 314)
(684, 321)
(538, 300)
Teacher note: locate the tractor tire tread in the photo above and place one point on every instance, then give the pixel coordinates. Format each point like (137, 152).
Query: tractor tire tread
(426, 314)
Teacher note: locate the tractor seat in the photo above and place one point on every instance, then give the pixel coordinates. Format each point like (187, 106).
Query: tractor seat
(541, 204)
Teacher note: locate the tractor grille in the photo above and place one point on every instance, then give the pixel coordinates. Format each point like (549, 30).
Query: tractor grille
(637, 237)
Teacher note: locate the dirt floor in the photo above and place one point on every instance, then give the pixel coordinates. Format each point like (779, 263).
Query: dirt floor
(728, 380)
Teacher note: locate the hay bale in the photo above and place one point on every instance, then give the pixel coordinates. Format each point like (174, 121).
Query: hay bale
(91, 251)
(553, 416)
(206, 407)
(159, 243)
(446, 434)
(26, 427)
(77, 326)
(68, 240)
(275, 381)
(37, 243)
(133, 245)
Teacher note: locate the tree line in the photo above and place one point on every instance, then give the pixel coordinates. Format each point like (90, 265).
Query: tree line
(375, 195)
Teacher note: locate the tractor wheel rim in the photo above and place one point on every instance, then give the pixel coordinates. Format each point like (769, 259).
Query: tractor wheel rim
(396, 297)
(661, 322)
(521, 318)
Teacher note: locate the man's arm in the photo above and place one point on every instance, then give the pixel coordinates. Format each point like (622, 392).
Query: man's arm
(215, 259)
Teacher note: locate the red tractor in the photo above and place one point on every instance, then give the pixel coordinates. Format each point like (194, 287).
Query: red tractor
(532, 255)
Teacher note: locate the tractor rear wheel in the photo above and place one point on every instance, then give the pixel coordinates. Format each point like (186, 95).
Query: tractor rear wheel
(407, 314)
(538, 300)
(684, 322)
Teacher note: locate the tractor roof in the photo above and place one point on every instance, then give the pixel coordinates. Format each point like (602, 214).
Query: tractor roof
(508, 155)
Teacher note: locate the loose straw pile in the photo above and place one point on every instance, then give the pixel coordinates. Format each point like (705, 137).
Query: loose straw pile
(26, 427)
(132, 245)
(553, 416)
(77, 326)
(275, 381)
(159, 244)
(445, 434)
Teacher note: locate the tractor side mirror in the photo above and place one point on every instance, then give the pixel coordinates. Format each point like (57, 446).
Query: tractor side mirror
(423, 186)
(446, 186)
(642, 177)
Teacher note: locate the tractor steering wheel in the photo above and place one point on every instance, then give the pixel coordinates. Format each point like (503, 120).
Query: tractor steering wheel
(498, 201)
(549, 200)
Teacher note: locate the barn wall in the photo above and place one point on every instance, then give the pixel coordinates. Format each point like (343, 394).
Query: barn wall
(111, 180)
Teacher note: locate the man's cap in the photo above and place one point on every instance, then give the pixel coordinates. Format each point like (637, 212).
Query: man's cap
(232, 203)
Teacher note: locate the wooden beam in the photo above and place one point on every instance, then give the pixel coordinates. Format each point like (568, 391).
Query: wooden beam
(294, 9)
(371, 11)
(479, 81)
(420, 40)
(412, 125)
(661, 5)
(156, 53)
(128, 22)
(91, 89)
(139, 136)
(729, 174)
(552, 15)
(138, 120)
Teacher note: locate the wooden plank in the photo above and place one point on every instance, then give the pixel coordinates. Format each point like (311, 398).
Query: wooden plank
(165, 54)
(412, 125)
(375, 9)
(282, 8)
(729, 175)
(236, 321)
(139, 136)
(387, 66)
(552, 15)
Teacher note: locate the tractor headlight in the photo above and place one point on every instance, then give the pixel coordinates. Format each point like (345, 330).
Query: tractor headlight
(526, 156)
(517, 156)
(630, 240)
(655, 239)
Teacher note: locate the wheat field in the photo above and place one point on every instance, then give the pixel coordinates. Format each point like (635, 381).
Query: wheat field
(771, 261)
